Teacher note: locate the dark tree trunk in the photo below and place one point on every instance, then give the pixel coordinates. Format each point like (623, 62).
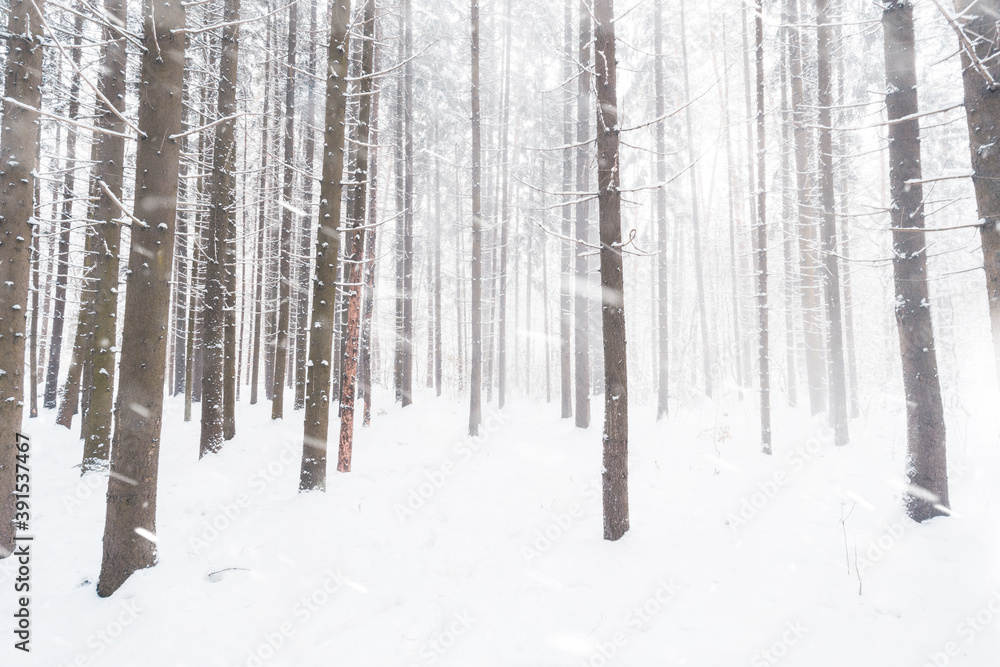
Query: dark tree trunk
(317, 418)
(285, 245)
(355, 241)
(981, 80)
(927, 466)
(407, 378)
(18, 147)
(218, 369)
(131, 511)
(615, 468)
(110, 158)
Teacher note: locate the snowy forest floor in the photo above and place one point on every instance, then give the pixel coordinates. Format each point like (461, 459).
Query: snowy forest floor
(441, 549)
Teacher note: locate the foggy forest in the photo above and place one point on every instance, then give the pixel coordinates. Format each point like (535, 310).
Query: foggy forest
(500, 332)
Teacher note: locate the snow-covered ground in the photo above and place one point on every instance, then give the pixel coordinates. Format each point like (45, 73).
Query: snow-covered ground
(443, 550)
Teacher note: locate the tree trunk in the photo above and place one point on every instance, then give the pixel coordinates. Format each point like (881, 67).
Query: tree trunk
(218, 378)
(835, 339)
(18, 145)
(370, 238)
(110, 162)
(504, 216)
(982, 109)
(581, 342)
(355, 239)
(131, 510)
(615, 467)
(763, 359)
(927, 468)
(476, 380)
(259, 304)
(317, 418)
(566, 246)
(305, 235)
(285, 245)
(407, 389)
(808, 247)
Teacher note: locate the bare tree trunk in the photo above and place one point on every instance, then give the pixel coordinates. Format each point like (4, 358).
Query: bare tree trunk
(763, 359)
(566, 246)
(504, 215)
(370, 234)
(131, 511)
(980, 75)
(927, 467)
(317, 418)
(615, 468)
(808, 247)
(835, 340)
(110, 157)
(71, 390)
(791, 277)
(18, 146)
(355, 239)
(581, 341)
(285, 246)
(438, 371)
(400, 248)
(476, 381)
(407, 389)
(261, 230)
(305, 235)
(218, 369)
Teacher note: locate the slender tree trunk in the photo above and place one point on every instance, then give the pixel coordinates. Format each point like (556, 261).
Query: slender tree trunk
(285, 246)
(566, 246)
(317, 418)
(355, 239)
(837, 372)
(131, 510)
(400, 169)
(18, 147)
(504, 216)
(71, 390)
(615, 467)
(218, 379)
(370, 237)
(261, 240)
(788, 233)
(476, 381)
(927, 467)
(808, 246)
(407, 392)
(305, 236)
(581, 342)
(763, 358)
(438, 371)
